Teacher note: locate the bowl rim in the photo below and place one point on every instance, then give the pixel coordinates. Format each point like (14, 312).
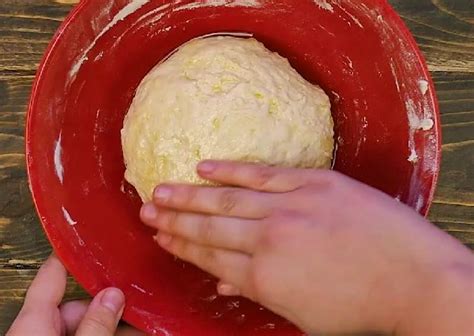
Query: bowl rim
(53, 237)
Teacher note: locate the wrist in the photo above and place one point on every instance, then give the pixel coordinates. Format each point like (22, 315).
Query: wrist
(441, 302)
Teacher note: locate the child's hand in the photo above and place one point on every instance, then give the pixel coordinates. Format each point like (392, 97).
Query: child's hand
(329, 253)
(42, 315)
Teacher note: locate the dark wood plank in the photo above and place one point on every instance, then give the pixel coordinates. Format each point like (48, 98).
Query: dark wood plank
(25, 30)
(443, 28)
(453, 209)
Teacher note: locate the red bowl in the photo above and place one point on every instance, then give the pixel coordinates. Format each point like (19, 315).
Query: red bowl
(358, 51)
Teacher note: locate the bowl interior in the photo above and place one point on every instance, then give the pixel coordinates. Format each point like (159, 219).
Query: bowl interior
(359, 52)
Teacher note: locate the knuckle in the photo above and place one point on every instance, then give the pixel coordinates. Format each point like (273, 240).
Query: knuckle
(206, 230)
(191, 195)
(271, 234)
(228, 201)
(173, 220)
(263, 177)
(280, 228)
(180, 248)
(101, 323)
(258, 286)
(208, 257)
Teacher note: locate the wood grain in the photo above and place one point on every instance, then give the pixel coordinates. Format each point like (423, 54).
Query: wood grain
(443, 28)
(443, 31)
(13, 286)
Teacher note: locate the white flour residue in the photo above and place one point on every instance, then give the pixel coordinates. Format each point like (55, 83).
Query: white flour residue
(327, 31)
(122, 187)
(395, 77)
(231, 305)
(165, 332)
(159, 12)
(420, 203)
(132, 7)
(268, 326)
(324, 5)
(139, 288)
(413, 158)
(362, 131)
(72, 223)
(99, 56)
(98, 263)
(246, 3)
(363, 135)
(417, 123)
(354, 19)
(365, 123)
(431, 155)
(411, 113)
(349, 66)
(68, 217)
(151, 321)
(385, 30)
(101, 16)
(58, 165)
(211, 298)
(349, 62)
(98, 154)
(423, 85)
(79, 239)
(218, 3)
(426, 124)
(419, 115)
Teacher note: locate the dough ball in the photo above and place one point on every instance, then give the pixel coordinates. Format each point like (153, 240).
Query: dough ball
(223, 98)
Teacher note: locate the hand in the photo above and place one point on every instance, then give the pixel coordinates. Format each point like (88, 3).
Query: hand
(330, 254)
(41, 314)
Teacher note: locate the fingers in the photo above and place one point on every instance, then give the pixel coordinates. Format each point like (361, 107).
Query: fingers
(72, 314)
(48, 287)
(103, 314)
(231, 202)
(221, 232)
(231, 267)
(254, 176)
(41, 301)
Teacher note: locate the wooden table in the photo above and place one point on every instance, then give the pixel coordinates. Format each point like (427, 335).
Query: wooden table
(443, 28)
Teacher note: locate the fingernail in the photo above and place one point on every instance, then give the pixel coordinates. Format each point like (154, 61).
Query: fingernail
(163, 239)
(227, 290)
(149, 212)
(113, 299)
(207, 167)
(163, 193)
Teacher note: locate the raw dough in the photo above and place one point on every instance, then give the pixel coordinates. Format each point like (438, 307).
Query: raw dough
(223, 98)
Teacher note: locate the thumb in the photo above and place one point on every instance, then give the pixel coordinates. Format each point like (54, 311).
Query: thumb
(103, 314)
